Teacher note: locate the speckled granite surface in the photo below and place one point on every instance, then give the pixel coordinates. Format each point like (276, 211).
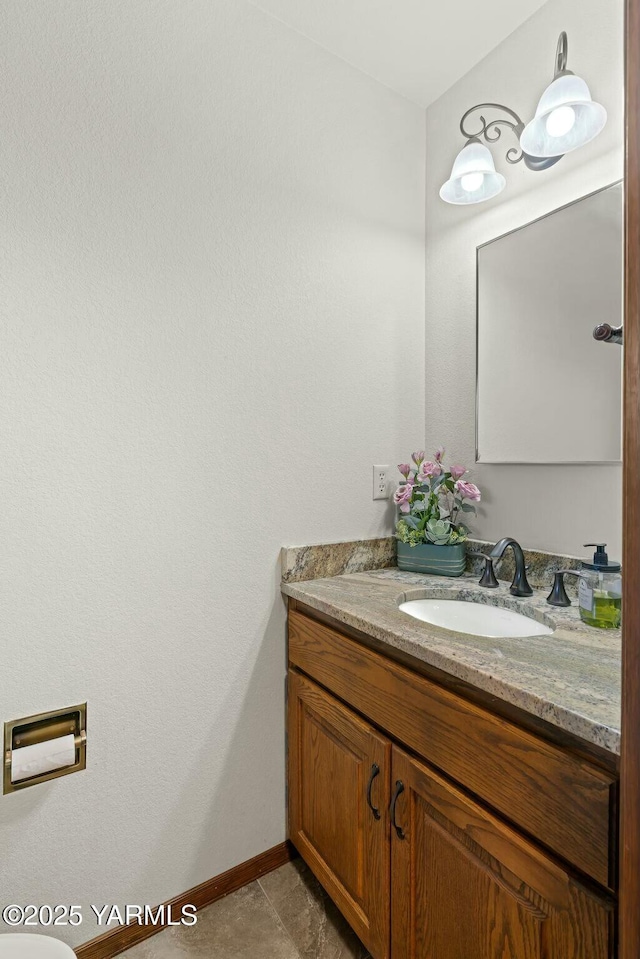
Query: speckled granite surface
(570, 678)
(331, 559)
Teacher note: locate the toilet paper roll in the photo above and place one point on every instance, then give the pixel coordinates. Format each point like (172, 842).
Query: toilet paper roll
(42, 758)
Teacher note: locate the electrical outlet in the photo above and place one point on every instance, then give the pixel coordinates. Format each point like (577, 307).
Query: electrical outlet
(381, 482)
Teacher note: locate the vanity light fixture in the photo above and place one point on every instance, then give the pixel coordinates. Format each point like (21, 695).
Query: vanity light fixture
(566, 118)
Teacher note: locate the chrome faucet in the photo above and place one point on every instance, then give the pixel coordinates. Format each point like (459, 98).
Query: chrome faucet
(520, 585)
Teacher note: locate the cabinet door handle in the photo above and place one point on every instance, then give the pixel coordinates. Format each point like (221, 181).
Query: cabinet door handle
(375, 771)
(392, 808)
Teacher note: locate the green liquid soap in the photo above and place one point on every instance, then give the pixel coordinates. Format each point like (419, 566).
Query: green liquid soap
(606, 611)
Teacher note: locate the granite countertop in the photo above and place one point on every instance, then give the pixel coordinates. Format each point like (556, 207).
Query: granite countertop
(570, 678)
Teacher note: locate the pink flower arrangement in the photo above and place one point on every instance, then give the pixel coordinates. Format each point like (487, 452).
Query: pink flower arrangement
(431, 498)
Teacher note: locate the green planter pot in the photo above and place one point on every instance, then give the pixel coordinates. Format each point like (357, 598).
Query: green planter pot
(437, 560)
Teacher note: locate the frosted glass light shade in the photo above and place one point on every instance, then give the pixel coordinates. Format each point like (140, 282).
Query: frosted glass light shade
(473, 177)
(554, 130)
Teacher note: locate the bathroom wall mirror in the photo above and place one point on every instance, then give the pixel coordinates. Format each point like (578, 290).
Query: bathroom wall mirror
(547, 392)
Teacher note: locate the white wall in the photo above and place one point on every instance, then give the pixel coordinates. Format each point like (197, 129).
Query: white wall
(213, 327)
(556, 508)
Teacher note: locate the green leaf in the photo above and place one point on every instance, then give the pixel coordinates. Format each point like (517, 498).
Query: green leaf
(468, 508)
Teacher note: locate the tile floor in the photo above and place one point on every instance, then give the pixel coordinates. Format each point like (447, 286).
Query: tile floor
(284, 915)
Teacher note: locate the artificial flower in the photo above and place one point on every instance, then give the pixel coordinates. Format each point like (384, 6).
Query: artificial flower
(429, 470)
(467, 490)
(402, 497)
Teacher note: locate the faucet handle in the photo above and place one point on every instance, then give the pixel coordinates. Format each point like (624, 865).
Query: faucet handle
(558, 595)
(488, 578)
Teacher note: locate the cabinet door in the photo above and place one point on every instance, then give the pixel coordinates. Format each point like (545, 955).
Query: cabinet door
(339, 769)
(465, 886)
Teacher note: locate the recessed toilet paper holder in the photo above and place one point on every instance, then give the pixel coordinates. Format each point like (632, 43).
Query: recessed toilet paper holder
(40, 728)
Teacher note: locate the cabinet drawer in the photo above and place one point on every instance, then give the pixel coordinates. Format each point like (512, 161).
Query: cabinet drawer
(560, 799)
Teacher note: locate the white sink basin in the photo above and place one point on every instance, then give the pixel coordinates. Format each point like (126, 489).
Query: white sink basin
(476, 619)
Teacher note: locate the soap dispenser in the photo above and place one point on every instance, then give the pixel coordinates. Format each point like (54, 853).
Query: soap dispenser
(600, 590)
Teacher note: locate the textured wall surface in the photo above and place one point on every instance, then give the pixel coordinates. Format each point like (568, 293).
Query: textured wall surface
(555, 508)
(213, 294)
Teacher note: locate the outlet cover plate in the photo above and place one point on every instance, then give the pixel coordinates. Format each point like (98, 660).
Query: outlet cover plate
(381, 480)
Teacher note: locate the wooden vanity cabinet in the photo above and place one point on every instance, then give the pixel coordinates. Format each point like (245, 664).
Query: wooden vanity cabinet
(419, 864)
